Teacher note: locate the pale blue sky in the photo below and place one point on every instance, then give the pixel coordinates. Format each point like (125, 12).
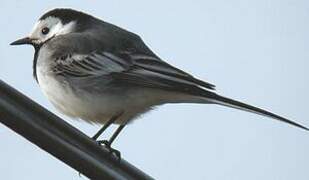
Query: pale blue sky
(255, 51)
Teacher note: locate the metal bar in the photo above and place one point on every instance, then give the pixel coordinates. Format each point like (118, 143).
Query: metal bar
(60, 139)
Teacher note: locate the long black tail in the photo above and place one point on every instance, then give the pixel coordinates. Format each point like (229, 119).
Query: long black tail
(217, 99)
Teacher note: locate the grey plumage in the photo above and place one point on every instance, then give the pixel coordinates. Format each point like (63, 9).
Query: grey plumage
(93, 70)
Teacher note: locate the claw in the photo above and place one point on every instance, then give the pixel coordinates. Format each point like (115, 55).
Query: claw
(110, 149)
(104, 142)
(116, 153)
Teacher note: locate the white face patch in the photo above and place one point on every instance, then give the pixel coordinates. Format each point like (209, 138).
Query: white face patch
(54, 26)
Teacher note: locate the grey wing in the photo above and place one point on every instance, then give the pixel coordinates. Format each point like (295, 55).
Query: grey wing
(136, 69)
(93, 64)
(156, 67)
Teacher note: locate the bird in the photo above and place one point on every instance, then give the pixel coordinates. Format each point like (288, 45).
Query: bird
(95, 71)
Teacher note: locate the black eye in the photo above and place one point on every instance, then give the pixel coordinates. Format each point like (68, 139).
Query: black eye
(45, 30)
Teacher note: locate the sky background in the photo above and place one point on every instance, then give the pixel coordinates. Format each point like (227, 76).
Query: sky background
(254, 51)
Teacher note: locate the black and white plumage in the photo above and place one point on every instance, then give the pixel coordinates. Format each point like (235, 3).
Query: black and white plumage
(92, 70)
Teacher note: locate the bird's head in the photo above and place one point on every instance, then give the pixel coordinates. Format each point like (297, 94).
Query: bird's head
(54, 23)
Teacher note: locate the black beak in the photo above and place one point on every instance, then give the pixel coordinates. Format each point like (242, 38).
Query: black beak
(21, 41)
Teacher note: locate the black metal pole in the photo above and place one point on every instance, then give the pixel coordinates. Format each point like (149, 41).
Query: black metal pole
(60, 139)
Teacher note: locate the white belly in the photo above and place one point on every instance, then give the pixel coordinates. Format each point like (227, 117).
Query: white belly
(93, 108)
(85, 107)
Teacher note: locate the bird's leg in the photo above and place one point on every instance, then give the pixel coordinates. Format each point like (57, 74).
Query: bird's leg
(107, 143)
(105, 126)
(111, 140)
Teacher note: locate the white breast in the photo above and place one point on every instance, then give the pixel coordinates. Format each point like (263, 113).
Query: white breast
(85, 106)
(93, 108)
(58, 91)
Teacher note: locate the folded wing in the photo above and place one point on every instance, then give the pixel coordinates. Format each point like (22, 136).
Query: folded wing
(138, 69)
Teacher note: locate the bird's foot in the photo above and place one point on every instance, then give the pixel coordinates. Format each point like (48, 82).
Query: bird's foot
(111, 150)
(104, 143)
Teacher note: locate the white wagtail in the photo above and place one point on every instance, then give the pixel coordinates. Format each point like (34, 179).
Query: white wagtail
(98, 72)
